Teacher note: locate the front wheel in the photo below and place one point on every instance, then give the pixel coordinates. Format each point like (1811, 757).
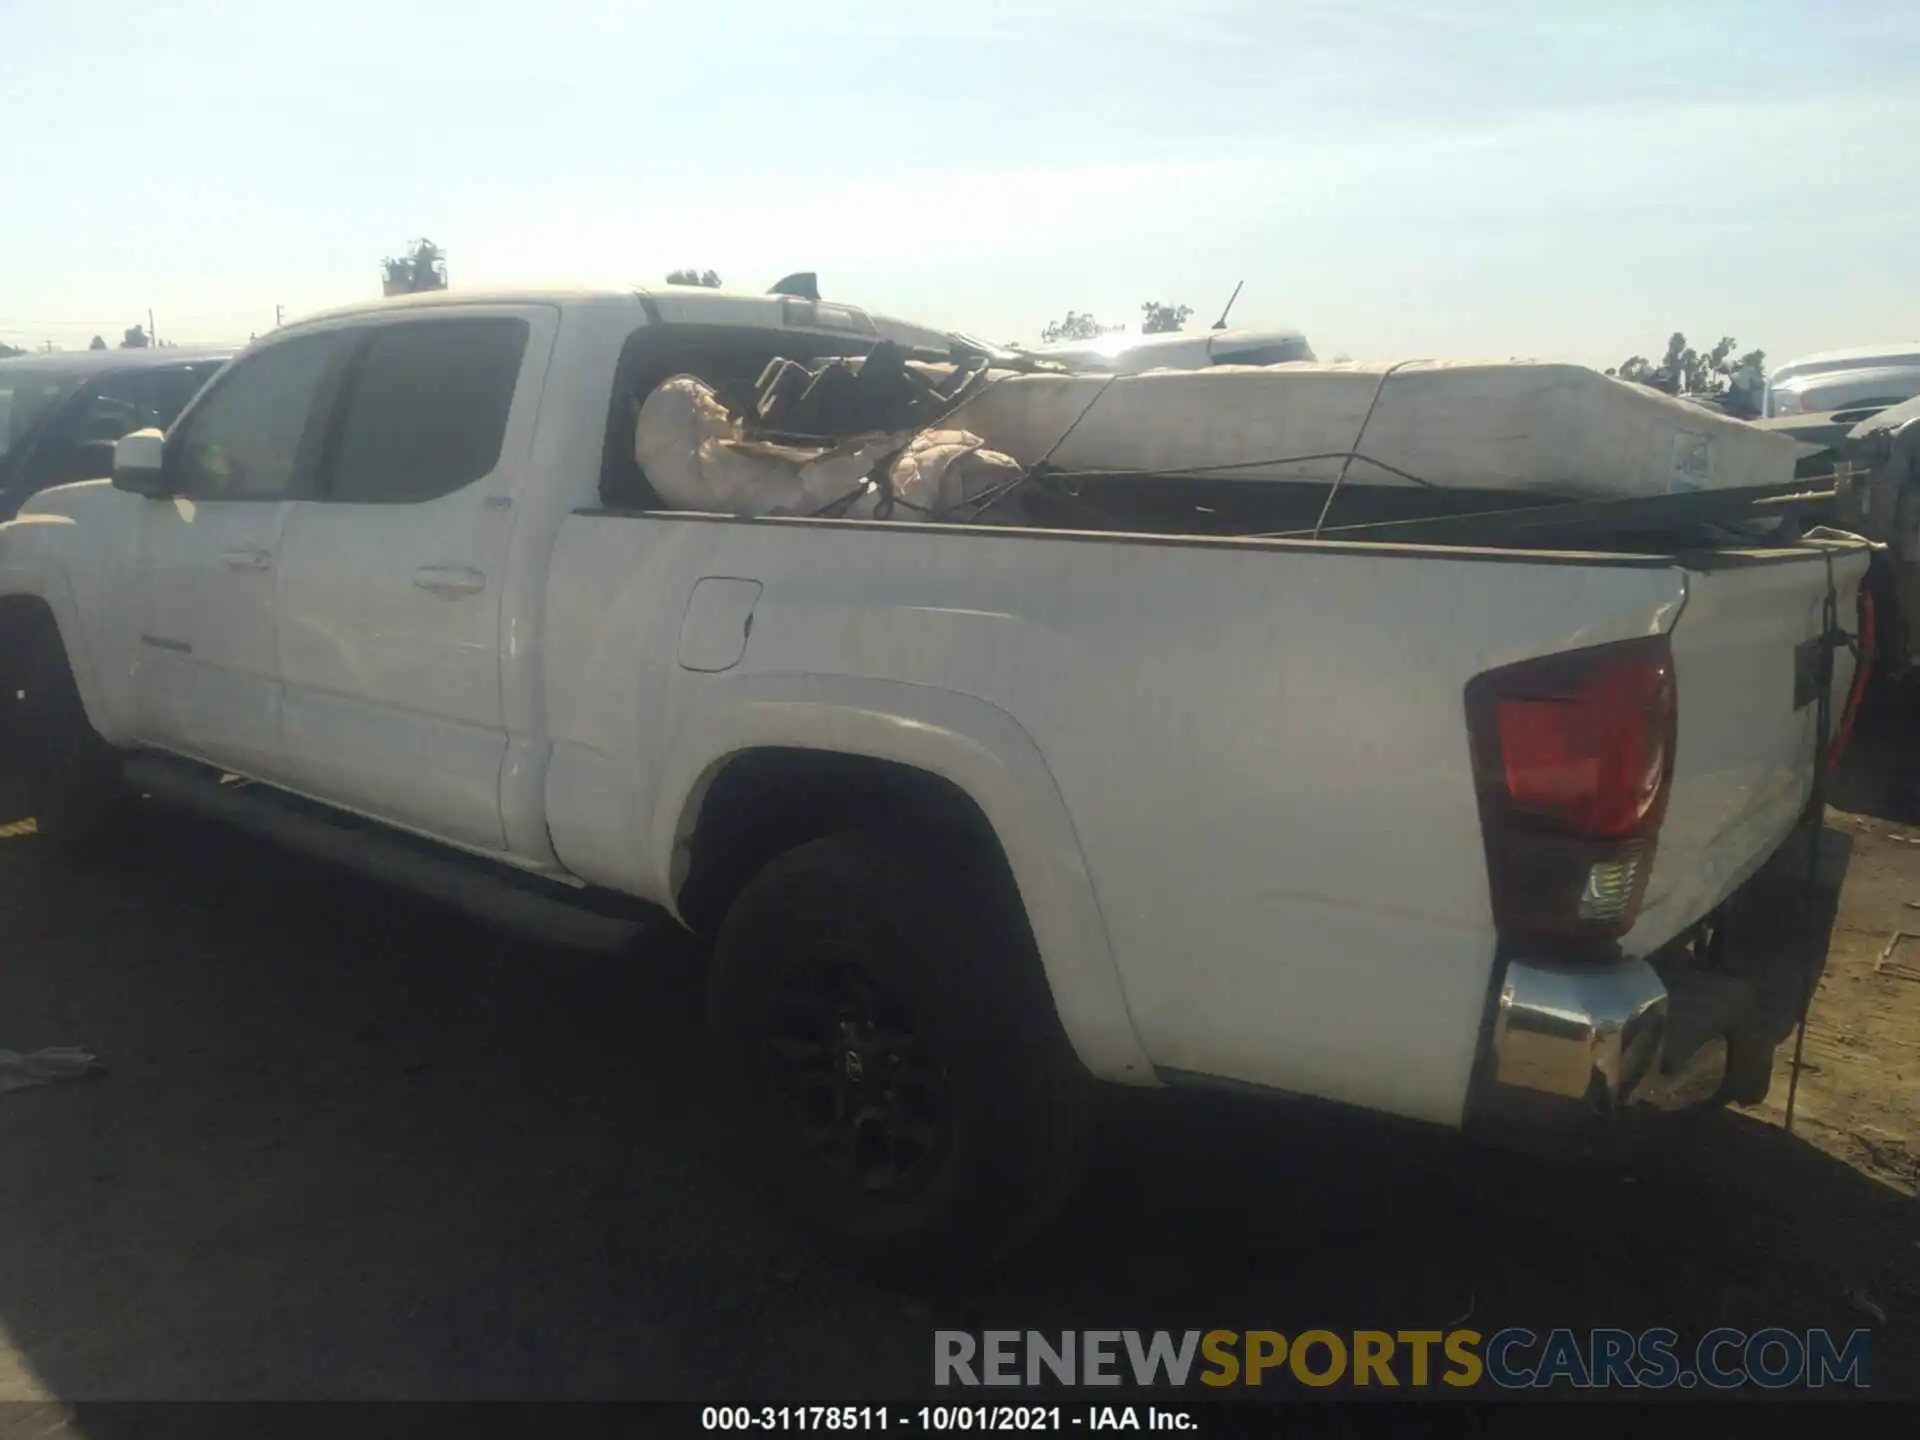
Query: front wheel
(74, 788)
(896, 1053)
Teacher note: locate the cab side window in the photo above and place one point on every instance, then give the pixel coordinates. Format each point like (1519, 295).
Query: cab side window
(253, 435)
(426, 409)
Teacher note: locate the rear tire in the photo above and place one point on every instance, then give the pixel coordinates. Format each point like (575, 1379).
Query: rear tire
(72, 778)
(895, 1054)
(1749, 1075)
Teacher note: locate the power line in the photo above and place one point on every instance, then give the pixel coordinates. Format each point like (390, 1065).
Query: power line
(14, 322)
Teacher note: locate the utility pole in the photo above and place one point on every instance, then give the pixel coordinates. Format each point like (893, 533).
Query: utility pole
(276, 315)
(152, 339)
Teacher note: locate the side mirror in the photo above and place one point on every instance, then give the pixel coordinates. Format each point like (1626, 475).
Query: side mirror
(139, 463)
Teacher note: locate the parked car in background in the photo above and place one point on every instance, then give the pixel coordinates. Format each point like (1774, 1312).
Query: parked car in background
(1177, 350)
(60, 414)
(1867, 377)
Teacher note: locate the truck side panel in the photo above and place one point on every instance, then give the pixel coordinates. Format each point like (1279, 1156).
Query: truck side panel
(1299, 902)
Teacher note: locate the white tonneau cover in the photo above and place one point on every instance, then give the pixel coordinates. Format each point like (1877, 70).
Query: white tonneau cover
(1456, 424)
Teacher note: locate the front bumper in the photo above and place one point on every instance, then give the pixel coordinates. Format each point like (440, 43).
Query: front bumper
(1575, 1046)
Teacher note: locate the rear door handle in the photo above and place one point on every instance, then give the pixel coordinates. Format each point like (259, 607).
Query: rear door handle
(247, 557)
(449, 582)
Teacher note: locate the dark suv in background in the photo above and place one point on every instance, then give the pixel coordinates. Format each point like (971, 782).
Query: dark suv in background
(61, 413)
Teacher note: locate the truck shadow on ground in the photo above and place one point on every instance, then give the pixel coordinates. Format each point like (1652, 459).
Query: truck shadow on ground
(1879, 774)
(347, 1146)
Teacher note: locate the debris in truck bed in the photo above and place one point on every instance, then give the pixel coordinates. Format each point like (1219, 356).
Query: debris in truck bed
(880, 391)
(699, 456)
(1299, 449)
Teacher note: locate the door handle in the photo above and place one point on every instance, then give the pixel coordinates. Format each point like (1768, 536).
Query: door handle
(247, 557)
(449, 582)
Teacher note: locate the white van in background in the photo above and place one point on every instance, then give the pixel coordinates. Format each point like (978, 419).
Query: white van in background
(1869, 376)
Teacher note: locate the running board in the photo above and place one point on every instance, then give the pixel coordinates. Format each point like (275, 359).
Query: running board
(506, 899)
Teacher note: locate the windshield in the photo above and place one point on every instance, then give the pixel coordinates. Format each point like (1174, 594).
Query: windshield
(24, 399)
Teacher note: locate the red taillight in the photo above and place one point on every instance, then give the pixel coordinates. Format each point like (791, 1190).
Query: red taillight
(1573, 756)
(1592, 760)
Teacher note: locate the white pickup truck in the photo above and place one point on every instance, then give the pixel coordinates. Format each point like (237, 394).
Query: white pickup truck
(975, 815)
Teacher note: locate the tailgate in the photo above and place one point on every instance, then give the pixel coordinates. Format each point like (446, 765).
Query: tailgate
(1743, 759)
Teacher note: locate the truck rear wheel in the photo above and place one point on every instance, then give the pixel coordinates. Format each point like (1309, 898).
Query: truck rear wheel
(1749, 1068)
(74, 788)
(896, 1054)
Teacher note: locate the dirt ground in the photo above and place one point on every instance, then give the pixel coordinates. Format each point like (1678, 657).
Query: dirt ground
(346, 1146)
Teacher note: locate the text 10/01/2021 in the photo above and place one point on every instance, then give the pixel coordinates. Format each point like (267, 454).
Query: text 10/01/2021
(1042, 1419)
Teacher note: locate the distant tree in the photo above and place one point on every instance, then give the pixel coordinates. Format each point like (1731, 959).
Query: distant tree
(1342, 359)
(7, 352)
(1160, 319)
(1747, 384)
(706, 279)
(1074, 327)
(1715, 373)
(96, 343)
(135, 338)
(1675, 366)
(421, 270)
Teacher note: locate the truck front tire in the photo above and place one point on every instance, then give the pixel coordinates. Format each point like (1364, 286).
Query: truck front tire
(896, 1057)
(74, 787)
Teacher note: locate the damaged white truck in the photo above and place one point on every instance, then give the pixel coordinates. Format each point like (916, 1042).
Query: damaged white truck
(1320, 729)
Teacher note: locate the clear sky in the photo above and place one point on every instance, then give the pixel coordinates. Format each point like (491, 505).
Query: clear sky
(1396, 177)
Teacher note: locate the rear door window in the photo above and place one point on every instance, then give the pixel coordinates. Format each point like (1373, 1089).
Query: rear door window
(426, 409)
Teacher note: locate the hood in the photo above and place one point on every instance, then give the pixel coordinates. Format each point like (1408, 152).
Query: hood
(58, 509)
(68, 501)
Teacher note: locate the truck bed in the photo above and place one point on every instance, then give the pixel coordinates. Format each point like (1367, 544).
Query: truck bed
(1315, 848)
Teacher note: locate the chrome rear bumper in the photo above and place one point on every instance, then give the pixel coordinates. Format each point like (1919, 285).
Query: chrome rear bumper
(1576, 1045)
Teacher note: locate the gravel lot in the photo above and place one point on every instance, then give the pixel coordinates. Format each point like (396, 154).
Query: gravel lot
(347, 1146)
